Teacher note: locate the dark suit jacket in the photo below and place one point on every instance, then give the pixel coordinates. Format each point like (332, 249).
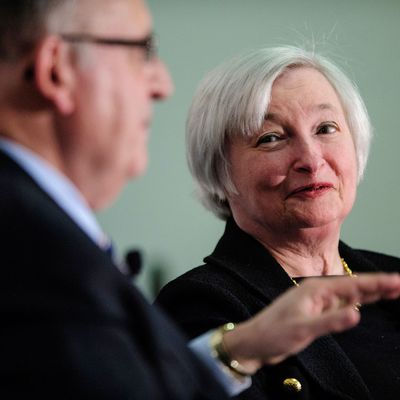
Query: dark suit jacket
(72, 326)
(238, 280)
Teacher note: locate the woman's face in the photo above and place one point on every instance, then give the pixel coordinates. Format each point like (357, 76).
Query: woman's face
(300, 170)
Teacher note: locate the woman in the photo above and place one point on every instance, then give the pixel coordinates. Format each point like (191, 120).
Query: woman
(277, 142)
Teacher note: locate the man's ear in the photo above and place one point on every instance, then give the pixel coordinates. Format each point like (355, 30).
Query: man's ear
(54, 73)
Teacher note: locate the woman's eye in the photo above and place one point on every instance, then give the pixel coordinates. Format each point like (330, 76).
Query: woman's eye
(268, 138)
(327, 128)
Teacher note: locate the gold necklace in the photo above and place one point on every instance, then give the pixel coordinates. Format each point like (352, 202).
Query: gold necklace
(348, 271)
(345, 266)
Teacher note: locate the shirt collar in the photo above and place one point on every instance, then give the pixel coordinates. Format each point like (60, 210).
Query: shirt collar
(58, 187)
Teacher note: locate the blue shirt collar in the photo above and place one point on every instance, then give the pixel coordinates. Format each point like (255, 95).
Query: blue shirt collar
(58, 187)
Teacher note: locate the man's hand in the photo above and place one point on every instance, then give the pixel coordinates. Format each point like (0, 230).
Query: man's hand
(316, 308)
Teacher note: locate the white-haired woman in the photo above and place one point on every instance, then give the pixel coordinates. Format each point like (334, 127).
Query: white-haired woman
(277, 141)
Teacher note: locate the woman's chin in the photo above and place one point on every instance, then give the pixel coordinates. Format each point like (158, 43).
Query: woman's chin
(319, 218)
(318, 214)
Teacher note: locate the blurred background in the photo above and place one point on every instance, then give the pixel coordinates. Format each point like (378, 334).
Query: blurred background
(159, 214)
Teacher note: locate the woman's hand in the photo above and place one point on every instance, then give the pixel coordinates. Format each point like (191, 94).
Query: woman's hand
(316, 308)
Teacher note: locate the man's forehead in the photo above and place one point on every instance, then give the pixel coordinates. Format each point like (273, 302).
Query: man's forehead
(117, 17)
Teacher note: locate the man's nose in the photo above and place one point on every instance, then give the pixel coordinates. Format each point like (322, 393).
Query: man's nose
(160, 81)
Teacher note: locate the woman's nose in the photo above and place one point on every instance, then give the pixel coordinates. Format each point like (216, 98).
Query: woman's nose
(308, 157)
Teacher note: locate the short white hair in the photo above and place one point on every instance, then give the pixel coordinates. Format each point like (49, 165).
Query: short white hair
(233, 99)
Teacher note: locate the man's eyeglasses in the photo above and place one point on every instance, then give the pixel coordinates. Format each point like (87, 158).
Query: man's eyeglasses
(148, 44)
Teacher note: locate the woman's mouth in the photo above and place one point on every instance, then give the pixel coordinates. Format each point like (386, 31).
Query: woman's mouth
(312, 190)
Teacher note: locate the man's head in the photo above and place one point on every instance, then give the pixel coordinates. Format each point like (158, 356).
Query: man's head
(78, 87)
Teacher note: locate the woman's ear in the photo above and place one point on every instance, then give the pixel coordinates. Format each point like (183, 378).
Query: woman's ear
(54, 74)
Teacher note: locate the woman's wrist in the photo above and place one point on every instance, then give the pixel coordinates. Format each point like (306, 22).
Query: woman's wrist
(229, 344)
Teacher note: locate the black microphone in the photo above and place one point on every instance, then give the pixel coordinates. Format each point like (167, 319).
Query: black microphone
(133, 262)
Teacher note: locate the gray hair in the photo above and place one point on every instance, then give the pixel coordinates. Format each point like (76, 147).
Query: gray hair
(233, 99)
(24, 22)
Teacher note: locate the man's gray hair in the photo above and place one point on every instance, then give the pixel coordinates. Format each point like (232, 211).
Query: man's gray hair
(23, 23)
(233, 99)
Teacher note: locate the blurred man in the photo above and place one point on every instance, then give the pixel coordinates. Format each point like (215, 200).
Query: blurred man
(77, 83)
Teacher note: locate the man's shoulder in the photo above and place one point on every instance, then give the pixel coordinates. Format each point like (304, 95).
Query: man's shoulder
(16, 185)
(22, 201)
(17, 194)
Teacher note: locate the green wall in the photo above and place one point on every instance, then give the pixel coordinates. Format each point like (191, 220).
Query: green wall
(159, 213)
